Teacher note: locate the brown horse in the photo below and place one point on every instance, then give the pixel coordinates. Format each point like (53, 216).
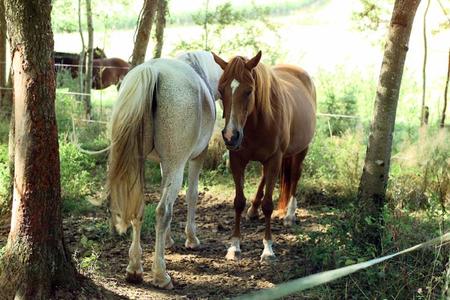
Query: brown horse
(270, 117)
(108, 71)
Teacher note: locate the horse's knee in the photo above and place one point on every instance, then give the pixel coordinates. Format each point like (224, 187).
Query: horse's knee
(239, 203)
(267, 206)
(163, 214)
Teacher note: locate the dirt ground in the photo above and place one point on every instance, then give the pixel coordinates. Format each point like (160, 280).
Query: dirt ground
(197, 274)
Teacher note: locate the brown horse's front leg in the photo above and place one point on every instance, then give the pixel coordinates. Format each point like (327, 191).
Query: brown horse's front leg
(252, 212)
(238, 169)
(271, 172)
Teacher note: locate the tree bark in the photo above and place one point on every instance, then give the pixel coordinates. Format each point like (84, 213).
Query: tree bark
(89, 61)
(161, 14)
(5, 104)
(444, 109)
(423, 116)
(143, 32)
(35, 257)
(82, 54)
(372, 187)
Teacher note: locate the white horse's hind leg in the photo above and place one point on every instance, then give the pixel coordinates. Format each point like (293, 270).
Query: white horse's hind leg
(171, 186)
(195, 166)
(134, 268)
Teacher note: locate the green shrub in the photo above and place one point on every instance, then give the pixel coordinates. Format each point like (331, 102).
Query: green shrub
(4, 177)
(77, 183)
(149, 221)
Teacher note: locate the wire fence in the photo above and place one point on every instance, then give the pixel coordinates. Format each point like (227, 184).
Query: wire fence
(310, 281)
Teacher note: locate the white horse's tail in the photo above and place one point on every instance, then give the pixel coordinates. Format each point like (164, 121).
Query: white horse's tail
(131, 115)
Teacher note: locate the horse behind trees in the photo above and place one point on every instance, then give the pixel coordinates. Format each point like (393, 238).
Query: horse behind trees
(166, 111)
(270, 117)
(108, 71)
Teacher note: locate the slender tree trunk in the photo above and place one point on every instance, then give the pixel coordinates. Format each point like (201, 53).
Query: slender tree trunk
(89, 61)
(372, 187)
(4, 100)
(143, 32)
(423, 116)
(444, 109)
(161, 13)
(82, 54)
(35, 258)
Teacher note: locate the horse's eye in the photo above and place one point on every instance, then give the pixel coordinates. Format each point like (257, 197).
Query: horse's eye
(247, 94)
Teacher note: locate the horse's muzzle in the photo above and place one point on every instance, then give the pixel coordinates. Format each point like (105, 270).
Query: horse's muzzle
(236, 139)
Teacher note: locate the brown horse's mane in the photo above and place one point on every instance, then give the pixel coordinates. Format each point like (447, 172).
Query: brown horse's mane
(266, 84)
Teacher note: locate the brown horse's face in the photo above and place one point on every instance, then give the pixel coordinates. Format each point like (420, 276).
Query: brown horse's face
(237, 90)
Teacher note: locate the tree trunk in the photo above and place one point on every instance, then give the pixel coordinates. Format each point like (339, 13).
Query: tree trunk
(372, 187)
(143, 32)
(423, 113)
(160, 25)
(89, 61)
(4, 99)
(442, 123)
(82, 54)
(35, 257)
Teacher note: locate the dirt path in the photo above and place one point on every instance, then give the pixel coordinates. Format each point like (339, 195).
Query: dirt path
(203, 273)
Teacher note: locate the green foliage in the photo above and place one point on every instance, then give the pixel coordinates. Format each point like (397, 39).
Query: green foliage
(106, 14)
(4, 177)
(77, 183)
(88, 258)
(149, 221)
(341, 99)
(229, 31)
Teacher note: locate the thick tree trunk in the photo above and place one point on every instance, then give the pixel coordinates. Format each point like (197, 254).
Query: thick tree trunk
(35, 258)
(372, 188)
(143, 32)
(89, 61)
(444, 109)
(161, 14)
(5, 104)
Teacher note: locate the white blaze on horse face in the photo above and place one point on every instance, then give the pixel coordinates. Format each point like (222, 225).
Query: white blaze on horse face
(231, 122)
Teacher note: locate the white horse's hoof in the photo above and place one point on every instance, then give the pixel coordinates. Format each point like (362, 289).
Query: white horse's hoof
(134, 277)
(289, 221)
(267, 258)
(192, 243)
(233, 255)
(279, 213)
(252, 214)
(169, 243)
(163, 282)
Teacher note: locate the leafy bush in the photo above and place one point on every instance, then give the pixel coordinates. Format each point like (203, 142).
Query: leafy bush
(77, 183)
(4, 177)
(227, 30)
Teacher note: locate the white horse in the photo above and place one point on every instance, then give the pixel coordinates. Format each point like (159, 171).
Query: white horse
(166, 111)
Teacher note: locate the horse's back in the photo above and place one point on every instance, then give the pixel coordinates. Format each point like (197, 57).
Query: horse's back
(290, 72)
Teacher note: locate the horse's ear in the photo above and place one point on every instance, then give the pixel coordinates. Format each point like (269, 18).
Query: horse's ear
(254, 61)
(223, 64)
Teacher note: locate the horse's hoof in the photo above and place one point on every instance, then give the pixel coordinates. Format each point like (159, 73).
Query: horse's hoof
(169, 243)
(192, 243)
(233, 255)
(289, 221)
(252, 214)
(279, 213)
(164, 282)
(267, 258)
(135, 278)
